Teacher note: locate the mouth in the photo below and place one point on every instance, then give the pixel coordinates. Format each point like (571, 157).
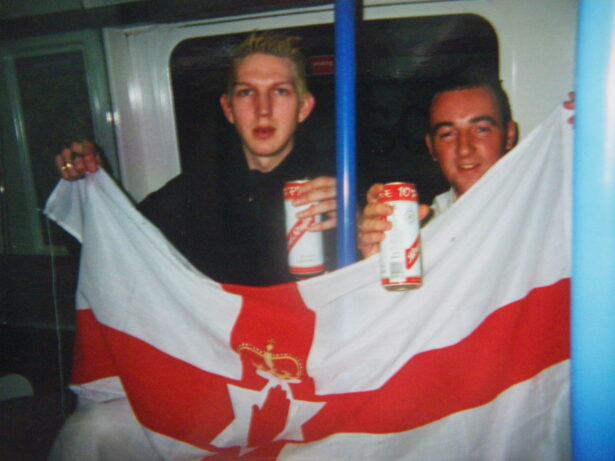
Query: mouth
(467, 166)
(263, 132)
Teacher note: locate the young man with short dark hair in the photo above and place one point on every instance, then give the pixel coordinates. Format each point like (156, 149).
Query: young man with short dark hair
(469, 129)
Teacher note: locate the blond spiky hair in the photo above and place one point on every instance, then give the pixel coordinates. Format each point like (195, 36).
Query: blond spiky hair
(274, 44)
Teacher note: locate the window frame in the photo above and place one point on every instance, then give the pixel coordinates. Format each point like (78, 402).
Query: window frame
(27, 236)
(139, 61)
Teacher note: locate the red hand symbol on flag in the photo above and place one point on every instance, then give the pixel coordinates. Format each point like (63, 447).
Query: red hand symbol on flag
(267, 422)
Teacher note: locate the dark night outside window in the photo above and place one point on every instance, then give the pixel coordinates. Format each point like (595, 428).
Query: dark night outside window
(399, 61)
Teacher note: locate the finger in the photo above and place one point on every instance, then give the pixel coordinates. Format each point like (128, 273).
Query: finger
(60, 167)
(67, 155)
(316, 195)
(321, 188)
(369, 244)
(78, 165)
(85, 149)
(65, 164)
(88, 146)
(377, 210)
(92, 163)
(85, 157)
(570, 104)
(91, 157)
(372, 193)
(325, 225)
(328, 206)
(369, 238)
(321, 181)
(74, 171)
(369, 250)
(375, 225)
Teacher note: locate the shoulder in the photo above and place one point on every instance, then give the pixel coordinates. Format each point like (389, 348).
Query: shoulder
(443, 202)
(177, 187)
(177, 197)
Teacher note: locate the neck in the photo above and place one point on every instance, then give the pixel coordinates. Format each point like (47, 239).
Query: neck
(265, 164)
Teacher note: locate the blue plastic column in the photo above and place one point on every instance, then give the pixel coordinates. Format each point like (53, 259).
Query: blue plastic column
(593, 273)
(345, 87)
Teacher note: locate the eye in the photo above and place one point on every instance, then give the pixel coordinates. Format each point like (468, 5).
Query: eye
(445, 134)
(243, 92)
(281, 91)
(483, 129)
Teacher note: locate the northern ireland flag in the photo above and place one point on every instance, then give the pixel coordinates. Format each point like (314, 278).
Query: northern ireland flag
(474, 365)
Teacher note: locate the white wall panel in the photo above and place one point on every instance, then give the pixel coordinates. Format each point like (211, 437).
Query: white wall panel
(536, 43)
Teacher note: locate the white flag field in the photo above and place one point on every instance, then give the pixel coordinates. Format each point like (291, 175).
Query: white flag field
(474, 365)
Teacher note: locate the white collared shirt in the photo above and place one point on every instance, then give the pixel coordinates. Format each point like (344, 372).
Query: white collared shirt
(443, 202)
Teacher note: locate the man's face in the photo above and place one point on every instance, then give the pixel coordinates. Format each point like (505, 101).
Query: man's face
(466, 135)
(266, 108)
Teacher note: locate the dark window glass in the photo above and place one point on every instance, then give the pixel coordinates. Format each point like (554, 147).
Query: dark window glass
(56, 109)
(399, 61)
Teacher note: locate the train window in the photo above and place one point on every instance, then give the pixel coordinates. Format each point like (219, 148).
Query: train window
(55, 103)
(53, 90)
(398, 61)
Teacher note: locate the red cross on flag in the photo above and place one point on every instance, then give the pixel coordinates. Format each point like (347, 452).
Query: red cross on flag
(473, 365)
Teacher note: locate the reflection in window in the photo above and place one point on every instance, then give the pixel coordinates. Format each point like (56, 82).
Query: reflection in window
(399, 63)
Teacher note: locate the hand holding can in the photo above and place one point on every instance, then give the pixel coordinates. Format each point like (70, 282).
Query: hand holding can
(400, 252)
(305, 249)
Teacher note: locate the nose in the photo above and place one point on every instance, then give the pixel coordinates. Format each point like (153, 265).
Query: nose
(263, 104)
(464, 144)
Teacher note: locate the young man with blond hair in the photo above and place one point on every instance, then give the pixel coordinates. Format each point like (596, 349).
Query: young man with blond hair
(229, 222)
(230, 225)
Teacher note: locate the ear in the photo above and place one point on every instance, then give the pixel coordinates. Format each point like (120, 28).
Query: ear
(430, 147)
(225, 104)
(307, 106)
(512, 133)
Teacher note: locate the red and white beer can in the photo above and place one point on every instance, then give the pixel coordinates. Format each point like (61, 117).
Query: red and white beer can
(400, 252)
(305, 249)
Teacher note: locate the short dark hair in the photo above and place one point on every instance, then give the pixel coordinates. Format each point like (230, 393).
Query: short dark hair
(274, 44)
(472, 79)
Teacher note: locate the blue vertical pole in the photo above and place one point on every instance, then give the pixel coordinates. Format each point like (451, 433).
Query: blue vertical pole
(593, 273)
(345, 87)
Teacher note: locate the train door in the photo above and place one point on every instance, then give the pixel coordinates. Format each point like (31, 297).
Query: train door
(52, 89)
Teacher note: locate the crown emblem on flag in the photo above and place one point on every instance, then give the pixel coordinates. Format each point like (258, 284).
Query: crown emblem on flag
(283, 366)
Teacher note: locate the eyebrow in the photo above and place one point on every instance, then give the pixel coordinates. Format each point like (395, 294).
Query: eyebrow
(281, 82)
(482, 118)
(486, 118)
